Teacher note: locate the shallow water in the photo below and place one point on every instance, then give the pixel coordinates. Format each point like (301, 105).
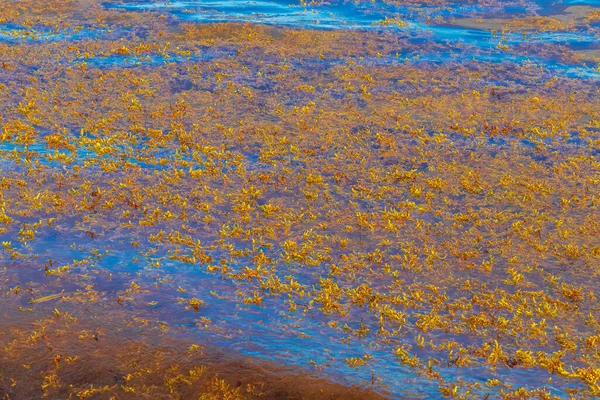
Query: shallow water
(371, 193)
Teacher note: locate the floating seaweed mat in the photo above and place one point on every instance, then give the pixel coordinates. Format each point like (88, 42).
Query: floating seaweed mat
(390, 208)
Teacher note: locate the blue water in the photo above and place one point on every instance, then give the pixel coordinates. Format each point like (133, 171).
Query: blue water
(259, 331)
(465, 44)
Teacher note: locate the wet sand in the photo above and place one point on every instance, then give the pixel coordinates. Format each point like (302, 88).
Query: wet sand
(86, 354)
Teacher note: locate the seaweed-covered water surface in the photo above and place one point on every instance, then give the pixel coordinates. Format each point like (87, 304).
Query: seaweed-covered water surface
(299, 200)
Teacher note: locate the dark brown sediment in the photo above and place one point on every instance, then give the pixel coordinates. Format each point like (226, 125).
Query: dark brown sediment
(79, 356)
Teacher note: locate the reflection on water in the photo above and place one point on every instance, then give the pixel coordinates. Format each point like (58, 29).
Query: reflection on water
(399, 199)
